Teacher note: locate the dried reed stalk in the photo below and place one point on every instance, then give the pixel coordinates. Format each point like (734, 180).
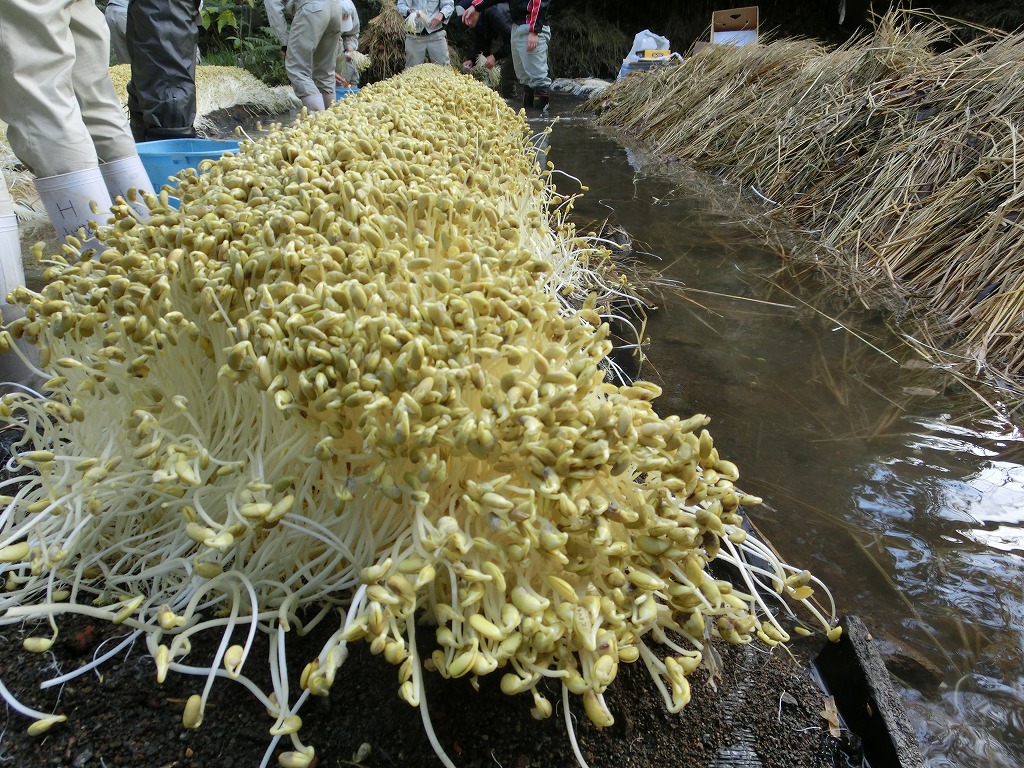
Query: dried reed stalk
(904, 158)
(384, 42)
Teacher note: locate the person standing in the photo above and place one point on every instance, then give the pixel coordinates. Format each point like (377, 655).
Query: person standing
(429, 41)
(162, 37)
(530, 36)
(346, 71)
(116, 14)
(309, 46)
(493, 38)
(65, 122)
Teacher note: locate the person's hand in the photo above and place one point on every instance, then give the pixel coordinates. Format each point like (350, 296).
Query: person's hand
(467, 65)
(470, 17)
(531, 41)
(436, 21)
(339, 80)
(489, 61)
(284, 51)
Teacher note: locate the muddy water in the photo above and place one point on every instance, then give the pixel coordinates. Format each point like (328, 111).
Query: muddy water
(883, 477)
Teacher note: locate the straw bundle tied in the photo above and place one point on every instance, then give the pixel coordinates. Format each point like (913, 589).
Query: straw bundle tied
(384, 42)
(905, 162)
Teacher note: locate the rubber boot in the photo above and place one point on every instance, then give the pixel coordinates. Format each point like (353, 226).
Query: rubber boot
(125, 175)
(314, 103)
(527, 97)
(15, 374)
(542, 100)
(68, 200)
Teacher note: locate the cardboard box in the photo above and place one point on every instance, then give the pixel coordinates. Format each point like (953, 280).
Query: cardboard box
(736, 26)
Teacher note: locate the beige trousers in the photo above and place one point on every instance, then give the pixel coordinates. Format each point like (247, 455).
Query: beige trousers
(56, 95)
(420, 48)
(313, 40)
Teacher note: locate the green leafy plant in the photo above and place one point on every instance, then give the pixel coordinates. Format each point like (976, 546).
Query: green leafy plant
(260, 54)
(221, 15)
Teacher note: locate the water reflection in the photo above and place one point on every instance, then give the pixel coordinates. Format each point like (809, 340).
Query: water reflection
(879, 473)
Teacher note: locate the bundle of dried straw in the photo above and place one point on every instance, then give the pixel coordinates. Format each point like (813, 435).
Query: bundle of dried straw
(903, 157)
(384, 41)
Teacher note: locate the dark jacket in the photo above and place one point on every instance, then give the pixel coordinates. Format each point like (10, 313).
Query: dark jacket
(492, 34)
(535, 13)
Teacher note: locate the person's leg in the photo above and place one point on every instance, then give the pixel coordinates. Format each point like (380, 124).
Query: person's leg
(437, 48)
(534, 64)
(12, 270)
(540, 56)
(37, 98)
(117, 23)
(162, 38)
(101, 109)
(415, 50)
(303, 35)
(45, 125)
(507, 81)
(325, 54)
(518, 44)
(120, 166)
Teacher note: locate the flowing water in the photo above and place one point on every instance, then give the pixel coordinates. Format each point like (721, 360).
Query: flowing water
(879, 474)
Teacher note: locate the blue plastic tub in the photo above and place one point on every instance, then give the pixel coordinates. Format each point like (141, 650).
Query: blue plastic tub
(342, 91)
(168, 157)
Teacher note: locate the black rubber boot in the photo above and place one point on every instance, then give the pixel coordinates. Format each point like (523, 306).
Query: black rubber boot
(527, 97)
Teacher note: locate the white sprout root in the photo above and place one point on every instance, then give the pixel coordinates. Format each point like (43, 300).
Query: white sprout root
(347, 374)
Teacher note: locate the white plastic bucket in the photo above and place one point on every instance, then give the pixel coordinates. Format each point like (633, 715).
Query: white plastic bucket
(12, 269)
(68, 200)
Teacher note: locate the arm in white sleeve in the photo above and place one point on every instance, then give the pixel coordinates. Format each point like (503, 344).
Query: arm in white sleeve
(404, 7)
(350, 40)
(447, 8)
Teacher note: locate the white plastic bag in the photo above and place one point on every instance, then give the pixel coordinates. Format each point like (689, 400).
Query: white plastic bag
(647, 41)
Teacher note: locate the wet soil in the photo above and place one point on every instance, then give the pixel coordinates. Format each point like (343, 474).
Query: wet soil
(764, 710)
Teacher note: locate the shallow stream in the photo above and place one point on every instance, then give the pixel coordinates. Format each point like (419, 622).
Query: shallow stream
(881, 475)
